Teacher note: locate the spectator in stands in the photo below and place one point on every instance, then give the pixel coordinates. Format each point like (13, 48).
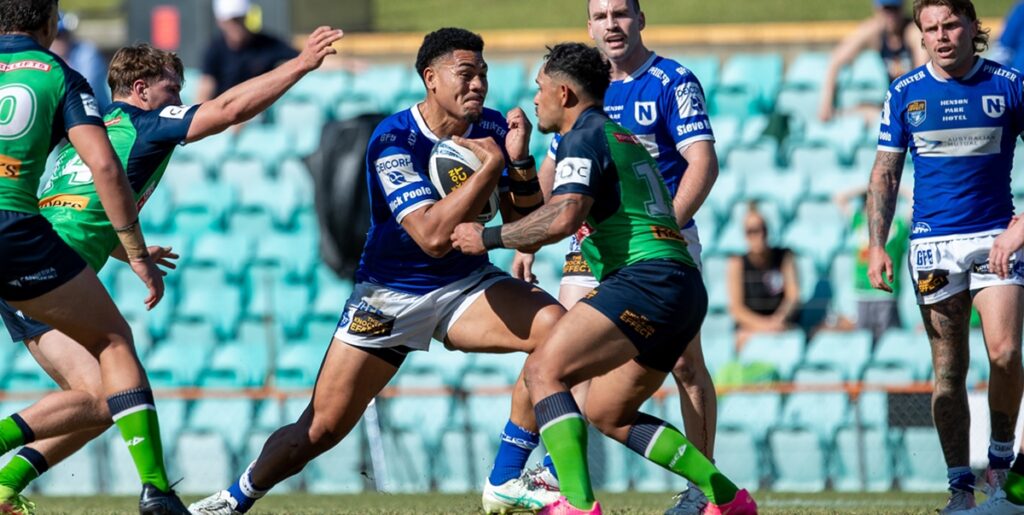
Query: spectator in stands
(876, 311)
(1010, 50)
(237, 54)
(764, 293)
(892, 34)
(83, 56)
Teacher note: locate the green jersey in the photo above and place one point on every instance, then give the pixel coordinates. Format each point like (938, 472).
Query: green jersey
(631, 219)
(143, 141)
(41, 98)
(896, 247)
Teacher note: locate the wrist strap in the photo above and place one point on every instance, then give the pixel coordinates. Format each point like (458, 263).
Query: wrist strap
(524, 188)
(526, 163)
(492, 238)
(132, 241)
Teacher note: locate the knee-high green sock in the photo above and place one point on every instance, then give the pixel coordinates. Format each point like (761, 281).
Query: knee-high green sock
(23, 468)
(565, 435)
(14, 432)
(134, 414)
(663, 444)
(1014, 485)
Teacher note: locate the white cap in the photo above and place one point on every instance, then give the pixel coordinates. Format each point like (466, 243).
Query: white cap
(230, 9)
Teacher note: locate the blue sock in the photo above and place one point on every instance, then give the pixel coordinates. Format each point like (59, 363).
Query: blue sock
(245, 492)
(550, 465)
(961, 478)
(1000, 454)
(513, 451)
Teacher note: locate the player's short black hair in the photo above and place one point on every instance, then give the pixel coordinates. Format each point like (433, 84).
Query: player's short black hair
(636, 6)
(582, 65)
(25, 15)
(444, 41)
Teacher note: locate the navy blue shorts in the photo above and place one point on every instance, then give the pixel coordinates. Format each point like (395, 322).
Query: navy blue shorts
(20, 326)
(33, 259)
(659, 305)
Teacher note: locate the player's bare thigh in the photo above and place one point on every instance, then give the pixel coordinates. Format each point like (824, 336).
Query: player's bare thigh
(509, 316)
(349, 378)
(570, 294)
(66, 361)
(615, 398)
(1001, 306)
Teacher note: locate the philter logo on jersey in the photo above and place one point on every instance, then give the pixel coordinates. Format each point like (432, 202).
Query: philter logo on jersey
(76, 202)
(10, 168)
(931, 281)
(89, 105)
(365, 323)
(646, 113)
(917, 111)
(174, 112)
(573, 170)
(994, 105)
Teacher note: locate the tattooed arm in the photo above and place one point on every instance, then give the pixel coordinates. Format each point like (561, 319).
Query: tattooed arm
(882, 192)
(555, 220)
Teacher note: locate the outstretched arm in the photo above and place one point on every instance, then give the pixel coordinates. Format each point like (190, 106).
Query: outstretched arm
(555, 220)
(255, 95)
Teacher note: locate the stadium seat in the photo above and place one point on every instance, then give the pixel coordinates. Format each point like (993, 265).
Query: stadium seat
(209, 250)
(783, 350)
(738, 455)
(295, 174)
(923, 466)
(754, 130)
(199, 209)
(727, 190)
(906, 348)
(297, 254)
(801, 91)
(842, 133)
(204, 460)
(820, 412)
(848, 352)
(727, 133)
(298, 364)
(271, 296)
(183, 173)
(799, 461)
(331, 296)
(121, 477)
(815, 233)
(253, 445)
(749, 84)
(866, 82)
(25, 375)
(505, 80)
(209, 151)
(381, 85)
(753, 160)
(172, 412)
(817, 374)
(409, 460)
(324, 87)
(714, 270)
(784, 189)
(707, 229)
(230, 418)
(158, 214)
(449, 366)
(825, 183)
(254, 223)
(754, 413)
(855, 452)
(190, 85)
(340, 470)
(811, 160)
(236, 365)
(177, 362)
(707, 69)
(844, 299)
(79, 474)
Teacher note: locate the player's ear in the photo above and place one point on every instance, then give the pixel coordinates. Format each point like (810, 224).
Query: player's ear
(565, 94)
(642, 20)
(139, 89)
(429, 78)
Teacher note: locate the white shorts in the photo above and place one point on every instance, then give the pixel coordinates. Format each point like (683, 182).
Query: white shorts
(946, 265)
(379, 317)
(576, 272)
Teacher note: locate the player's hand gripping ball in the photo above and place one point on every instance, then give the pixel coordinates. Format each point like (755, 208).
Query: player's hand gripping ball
(451, 165)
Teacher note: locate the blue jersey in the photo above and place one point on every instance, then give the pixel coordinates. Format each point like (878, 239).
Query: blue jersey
(662, 103)
(961, 134)
(399, 183)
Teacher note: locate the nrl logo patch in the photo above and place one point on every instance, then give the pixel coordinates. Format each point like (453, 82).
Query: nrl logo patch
(917, 111)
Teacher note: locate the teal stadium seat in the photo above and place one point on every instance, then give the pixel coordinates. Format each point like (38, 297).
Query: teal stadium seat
(813, 159)
(298, 364)
(449, 366)
(799, 460)
(331, 294)
(906, 348)
(380, 86)
(230, 252)
(341, 470)
(714, 271)
(303, 120)
(294, 173)
(817, 375)
(159, 213)
(753, 413)
(242, 170)
(844, 297)
(754, 130)
(784, 189)
(800, 94)
(184, 172)
(727, 190)
(26, 375)
(707, 229)
(727, 133)
(749, 84)
(251, 222)
(817, 231)
(129, 294)
(190, 85)
(843, 133)
(78, 474)
(820, 412)
(297, 254)
(173, 414)
(200, 209)
(208, 297)
(783, 350)
(923, 467)
(267, 143)
(230, 418)
(738, 455)
(210, 151)
(505, 81)
(870, 451)
(236, 365)
(865, 83)
(325, 87)
(177, 362)
(848, 352)
(707, 69)
(204, 460)
(271, 296)
(753, 159)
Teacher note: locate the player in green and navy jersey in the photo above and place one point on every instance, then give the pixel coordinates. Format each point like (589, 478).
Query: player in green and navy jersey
(628, 332)
(41, 102)
(145, 124)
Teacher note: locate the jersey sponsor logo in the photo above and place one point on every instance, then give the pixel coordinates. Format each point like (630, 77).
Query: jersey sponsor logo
(931, 281)
(367, 323)
(921, 228)
(906, 81)
(174, 112)
(683, 130)
(573, 170)
(623, 137)
(112, 122)
(646, 113)
(690, 100)
(575, 265)
(993, 105)
(583, 232)
(887, 108)
(1016, 267)
(24, 65)
(46, 274)
(89, 105)
(1001, 72)
(639, 323)
(387, 137)
(410, 196)
(976, 141)
(917, 112)
(395, 172)
(494, 127)
(10, 168)
(666, 233)
(885, 136)
(76, 202)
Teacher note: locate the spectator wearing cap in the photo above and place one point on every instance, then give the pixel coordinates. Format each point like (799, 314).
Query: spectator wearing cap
(892, 34)
(237, 54)
(83, 56)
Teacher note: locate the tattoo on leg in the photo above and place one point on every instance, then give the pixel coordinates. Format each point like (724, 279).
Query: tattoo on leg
(947, 326)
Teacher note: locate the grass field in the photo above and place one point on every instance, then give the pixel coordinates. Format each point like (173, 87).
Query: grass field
(631, 504)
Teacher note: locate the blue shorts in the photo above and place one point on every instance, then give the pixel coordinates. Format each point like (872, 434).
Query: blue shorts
(659, 305)
(20, 326)
(33, 259)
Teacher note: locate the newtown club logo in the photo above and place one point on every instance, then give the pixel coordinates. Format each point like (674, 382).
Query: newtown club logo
(917, 111)
(646, 113)
(994, 105)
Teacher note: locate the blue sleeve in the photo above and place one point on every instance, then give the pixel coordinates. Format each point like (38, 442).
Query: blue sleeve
(80, 106)
(580, 164)
(403, 181)
(1013, 31)
(685, 111)
(169, 125)
(893, 135)
(553, 147)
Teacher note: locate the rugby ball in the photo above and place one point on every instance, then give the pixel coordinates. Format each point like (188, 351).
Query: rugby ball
(450, 166)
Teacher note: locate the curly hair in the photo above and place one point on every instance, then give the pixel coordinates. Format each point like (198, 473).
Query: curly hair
(444, 41)
(140, 62)
(25, 15)
(959, 8)
(582, 65)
